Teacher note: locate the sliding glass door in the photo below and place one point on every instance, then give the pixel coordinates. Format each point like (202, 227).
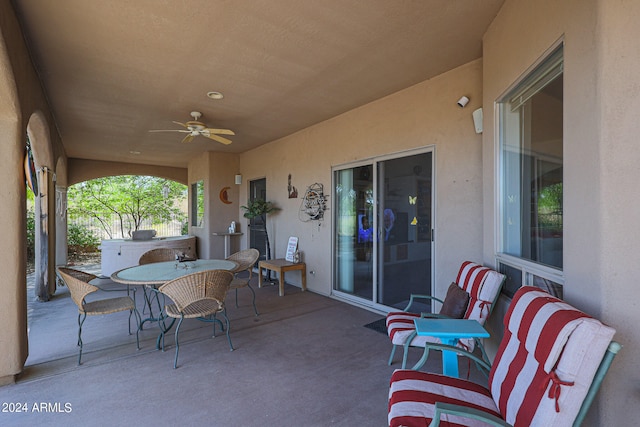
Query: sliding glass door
(382, 237)
(354, 231)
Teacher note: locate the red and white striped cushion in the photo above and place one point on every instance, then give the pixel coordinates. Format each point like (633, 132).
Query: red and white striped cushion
(546, 361)
(399, 322)
(481, 283)
(400, 326)
(541, 374)
(412, 397)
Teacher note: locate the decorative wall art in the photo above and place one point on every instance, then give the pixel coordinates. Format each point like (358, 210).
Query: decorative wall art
(313, 204)
(224, 197)
(293, 191)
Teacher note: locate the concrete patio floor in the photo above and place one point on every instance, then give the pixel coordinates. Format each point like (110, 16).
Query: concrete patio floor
(307, 360)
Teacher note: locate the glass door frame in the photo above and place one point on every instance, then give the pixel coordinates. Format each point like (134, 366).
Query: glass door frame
(373, 161)
(254, 224)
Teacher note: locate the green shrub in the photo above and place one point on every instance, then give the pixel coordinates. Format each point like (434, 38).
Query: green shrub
(31, 234)
(81, 239)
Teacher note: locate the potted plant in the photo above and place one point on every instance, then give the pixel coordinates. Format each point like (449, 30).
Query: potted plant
(260, 208)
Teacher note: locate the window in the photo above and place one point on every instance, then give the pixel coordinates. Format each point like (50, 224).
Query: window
(197, 204)
(531, 178)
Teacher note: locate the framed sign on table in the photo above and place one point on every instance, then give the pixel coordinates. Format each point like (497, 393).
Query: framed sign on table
(292, 246)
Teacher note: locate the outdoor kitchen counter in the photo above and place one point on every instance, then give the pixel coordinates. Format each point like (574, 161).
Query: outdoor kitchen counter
(122, 253)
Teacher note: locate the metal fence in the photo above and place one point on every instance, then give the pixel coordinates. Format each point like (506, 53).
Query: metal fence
(108, 226)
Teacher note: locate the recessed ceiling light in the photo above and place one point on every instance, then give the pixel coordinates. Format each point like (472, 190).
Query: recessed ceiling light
(215, 95)
(134, 152)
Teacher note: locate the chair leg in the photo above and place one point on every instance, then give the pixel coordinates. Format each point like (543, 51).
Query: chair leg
(163, 330)
(175, 361)
(236, 297)
(393, 352)
(81, 318)
(132, 289)
(139, 325)
(406, 346)
(226, 320)
(254, 299)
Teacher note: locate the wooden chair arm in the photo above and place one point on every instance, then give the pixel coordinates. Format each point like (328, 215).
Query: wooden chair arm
(467, 412)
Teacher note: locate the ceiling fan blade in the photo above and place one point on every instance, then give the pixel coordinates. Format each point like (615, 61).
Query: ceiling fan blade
(170, 130)
(220, 131)
(181, 124)
(188, 138)
(220, 139)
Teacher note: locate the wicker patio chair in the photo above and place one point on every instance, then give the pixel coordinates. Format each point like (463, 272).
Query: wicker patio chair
(198, 295)
(79, 288)
(158, 255)
(150, 257)
(246, 260)
(78, 274)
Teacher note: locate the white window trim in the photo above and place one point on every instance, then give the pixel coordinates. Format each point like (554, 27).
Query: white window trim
(528, 268)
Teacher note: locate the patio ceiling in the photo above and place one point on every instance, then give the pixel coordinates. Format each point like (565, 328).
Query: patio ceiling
(113, 70)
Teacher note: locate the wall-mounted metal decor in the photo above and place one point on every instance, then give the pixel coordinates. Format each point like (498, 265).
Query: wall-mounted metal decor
(314, 203)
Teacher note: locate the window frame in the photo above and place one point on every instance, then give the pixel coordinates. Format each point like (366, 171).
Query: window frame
(540, 71)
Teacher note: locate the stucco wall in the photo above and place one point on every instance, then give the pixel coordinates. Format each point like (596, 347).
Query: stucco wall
(217, 170)
(601, 162)
(619, 109)
(22, 101)
(198, 171)
(423, 115)
(22, 97)
(83, 170)
(224, 167)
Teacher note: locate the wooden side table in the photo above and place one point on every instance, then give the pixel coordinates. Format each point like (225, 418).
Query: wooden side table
(281, 265)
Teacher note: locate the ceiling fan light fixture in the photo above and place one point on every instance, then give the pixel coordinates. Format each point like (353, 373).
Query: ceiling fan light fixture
(215, 95)
(195, 127)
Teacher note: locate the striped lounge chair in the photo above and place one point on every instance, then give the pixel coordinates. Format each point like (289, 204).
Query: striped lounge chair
(549, 365)
(483, 286)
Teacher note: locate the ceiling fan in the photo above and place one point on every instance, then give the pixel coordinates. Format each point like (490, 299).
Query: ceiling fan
(194, 128)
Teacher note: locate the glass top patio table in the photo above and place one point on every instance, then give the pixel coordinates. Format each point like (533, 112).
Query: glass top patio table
(158, 273)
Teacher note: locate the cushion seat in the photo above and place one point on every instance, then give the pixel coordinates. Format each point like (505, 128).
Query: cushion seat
(400, 328)
(413, 394)
(550, 357)
(199, 308)
(108, 306)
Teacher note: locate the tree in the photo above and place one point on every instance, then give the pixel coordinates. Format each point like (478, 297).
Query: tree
(31, 225)
(132, 199)
(261, 208)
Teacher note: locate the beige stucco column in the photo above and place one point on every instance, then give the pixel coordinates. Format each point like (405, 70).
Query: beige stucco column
(13, 288)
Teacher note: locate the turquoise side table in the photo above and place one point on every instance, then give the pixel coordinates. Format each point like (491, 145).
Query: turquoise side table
(449, 331)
